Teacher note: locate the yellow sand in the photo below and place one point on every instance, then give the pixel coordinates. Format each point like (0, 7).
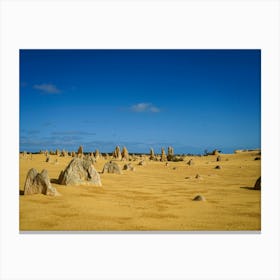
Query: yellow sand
(154, 197)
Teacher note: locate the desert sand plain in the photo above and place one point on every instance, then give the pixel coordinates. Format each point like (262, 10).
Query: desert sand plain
(153, 197)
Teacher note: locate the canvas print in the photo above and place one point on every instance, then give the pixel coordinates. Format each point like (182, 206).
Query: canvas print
(140, 140)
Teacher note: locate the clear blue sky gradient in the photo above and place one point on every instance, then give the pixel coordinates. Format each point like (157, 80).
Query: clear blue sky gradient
(190, 99)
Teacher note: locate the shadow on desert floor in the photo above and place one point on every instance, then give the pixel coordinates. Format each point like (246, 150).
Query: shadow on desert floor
(249, 188)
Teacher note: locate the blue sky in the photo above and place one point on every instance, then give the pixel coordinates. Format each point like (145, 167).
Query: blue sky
(190, 99)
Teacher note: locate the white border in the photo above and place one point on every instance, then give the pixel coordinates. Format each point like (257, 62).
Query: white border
(139, 24)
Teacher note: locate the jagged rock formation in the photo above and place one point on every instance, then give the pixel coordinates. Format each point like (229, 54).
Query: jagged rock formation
(38, 183)
(80, 171)
(111, 167)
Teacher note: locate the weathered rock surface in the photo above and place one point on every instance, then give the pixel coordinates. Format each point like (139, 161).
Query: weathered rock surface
(38, 183)
(111, 167)
(258, 184)
(80, 171)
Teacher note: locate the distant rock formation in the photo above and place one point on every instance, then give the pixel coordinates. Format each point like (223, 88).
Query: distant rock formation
(215, 152)
(97, 154)
(111, 167)
(80, 171)
(38, 183)
(258, 184)
(117, 153)
(163, 155)
(170, 153)
(218, 167)
(125, 154)
(152, 154)
(80, 151)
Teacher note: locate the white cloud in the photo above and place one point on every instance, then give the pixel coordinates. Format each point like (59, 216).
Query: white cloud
(144, 107)
(47, 88)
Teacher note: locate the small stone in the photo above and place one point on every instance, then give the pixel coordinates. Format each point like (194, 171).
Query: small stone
(199, 198)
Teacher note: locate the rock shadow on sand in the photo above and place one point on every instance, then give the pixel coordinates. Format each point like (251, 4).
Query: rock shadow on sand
(249, 188)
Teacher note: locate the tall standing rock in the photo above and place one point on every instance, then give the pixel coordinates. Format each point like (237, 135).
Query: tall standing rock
(97, 154)
(117, 153)
(80, 151)
(80, 171)
(152, 154)
(125, 154)
(163, 155)
(38, 183)
(170, 153)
